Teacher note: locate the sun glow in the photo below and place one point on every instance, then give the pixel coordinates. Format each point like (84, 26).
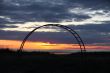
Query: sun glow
(29, 45)
(49, 46)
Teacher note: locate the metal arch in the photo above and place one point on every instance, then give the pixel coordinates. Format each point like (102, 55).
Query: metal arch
(77, 37)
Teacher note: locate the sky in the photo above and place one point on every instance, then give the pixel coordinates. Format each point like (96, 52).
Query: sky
(89, 18)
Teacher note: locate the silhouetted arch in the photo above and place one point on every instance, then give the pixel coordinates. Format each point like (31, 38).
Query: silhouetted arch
(77, 37)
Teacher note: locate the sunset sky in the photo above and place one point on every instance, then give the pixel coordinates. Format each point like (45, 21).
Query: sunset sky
(89, 18)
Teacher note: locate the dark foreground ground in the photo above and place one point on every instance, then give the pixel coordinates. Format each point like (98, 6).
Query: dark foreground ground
(12, 62)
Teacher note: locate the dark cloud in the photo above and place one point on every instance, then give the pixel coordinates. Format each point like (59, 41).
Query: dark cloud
(39, 10)
(49, 10)
(94, 4)
(94, 27)
(93, 33)
(4, 21)
(5, 26)
(12, 35)
(56, 37)
(2, 26)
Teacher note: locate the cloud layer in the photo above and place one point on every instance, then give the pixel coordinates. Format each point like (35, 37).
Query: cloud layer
(54, 10)
(91, 19)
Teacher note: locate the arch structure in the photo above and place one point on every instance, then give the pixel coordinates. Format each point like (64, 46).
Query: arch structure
(74, 33)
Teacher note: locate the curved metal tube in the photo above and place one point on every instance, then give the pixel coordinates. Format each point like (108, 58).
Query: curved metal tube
(77, 37)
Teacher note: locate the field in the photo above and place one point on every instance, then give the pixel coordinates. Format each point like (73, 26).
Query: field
(44, 62)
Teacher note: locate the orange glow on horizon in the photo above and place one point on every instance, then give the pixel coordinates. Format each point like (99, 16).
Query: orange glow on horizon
(29, 45)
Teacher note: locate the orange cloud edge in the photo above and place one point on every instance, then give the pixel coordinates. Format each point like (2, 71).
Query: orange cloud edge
(29, 45)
